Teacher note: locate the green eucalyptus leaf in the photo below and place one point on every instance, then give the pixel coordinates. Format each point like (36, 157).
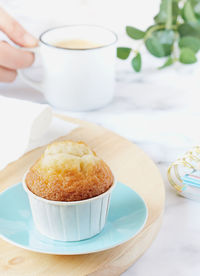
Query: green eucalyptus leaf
(167, 49)
(168, 12)
(155, 47)
(189, 29)
(175, 11)
(165, 36)
(134, 32)
(123, 52)
(190, 42)
(137, 62)
(166, 39)
(188, 12)
(161, 17)
(196, 7)
(187, 56)
(167, 63)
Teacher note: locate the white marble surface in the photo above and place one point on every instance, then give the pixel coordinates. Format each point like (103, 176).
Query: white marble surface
(156, 116)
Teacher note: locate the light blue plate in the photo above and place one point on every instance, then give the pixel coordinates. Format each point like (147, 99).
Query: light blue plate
(127, 216)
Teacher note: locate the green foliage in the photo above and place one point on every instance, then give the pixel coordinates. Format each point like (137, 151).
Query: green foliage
(168, 13)
(196, 7)
(160, 43)
(176, 24)
(123, 52)
(190, 42)
(188, 13)
(189, 29)
(187, 56)
(167, 63)
(164, 13)
(134, 32)
(137, 62)
(154, 46)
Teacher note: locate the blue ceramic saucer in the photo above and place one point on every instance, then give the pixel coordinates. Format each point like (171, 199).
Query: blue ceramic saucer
(127, 216)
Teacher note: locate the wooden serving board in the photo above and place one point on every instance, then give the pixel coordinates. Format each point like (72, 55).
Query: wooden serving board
(131, 166)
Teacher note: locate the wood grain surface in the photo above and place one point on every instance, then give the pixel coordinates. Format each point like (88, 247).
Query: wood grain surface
(131, 166)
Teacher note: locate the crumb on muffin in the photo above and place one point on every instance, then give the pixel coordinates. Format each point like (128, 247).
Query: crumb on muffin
(69, 171)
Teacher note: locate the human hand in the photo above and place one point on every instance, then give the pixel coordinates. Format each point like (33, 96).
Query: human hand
(12, 58)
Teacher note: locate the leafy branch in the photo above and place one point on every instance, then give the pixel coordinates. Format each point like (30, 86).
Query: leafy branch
(177, 24)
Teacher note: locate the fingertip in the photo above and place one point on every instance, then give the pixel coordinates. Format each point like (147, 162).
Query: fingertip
(7, 75)
(11, 76)
(25, 60)
(29, 40)
(30, 60)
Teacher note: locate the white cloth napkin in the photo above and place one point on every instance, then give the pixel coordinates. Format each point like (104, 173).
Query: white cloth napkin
(24, 126)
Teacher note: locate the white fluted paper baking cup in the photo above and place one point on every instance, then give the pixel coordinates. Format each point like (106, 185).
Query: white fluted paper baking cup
(69, 221)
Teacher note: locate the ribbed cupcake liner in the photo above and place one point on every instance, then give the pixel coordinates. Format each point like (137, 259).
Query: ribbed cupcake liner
(69, 221)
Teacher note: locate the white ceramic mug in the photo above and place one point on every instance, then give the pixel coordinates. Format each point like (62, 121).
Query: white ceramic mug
(74, 79)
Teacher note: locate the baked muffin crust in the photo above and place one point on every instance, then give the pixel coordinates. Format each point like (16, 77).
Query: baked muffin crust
(69, 171)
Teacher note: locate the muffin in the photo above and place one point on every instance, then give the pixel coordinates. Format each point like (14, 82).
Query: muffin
(69, 190)
(69, 171)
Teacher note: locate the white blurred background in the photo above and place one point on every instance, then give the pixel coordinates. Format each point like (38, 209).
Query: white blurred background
(38, 15)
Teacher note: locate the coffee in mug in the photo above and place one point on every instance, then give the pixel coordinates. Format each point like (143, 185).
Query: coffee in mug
(77, 44)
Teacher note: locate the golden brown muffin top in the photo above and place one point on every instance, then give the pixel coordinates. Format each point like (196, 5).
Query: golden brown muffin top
(69, 171)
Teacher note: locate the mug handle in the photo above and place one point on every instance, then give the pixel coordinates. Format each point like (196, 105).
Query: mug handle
(21, 73)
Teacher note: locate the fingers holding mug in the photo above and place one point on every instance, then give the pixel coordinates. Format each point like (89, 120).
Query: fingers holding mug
(15, 31)
(7, 75)
(13, 58)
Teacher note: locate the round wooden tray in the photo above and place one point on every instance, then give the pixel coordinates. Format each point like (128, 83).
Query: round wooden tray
(131, 166)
